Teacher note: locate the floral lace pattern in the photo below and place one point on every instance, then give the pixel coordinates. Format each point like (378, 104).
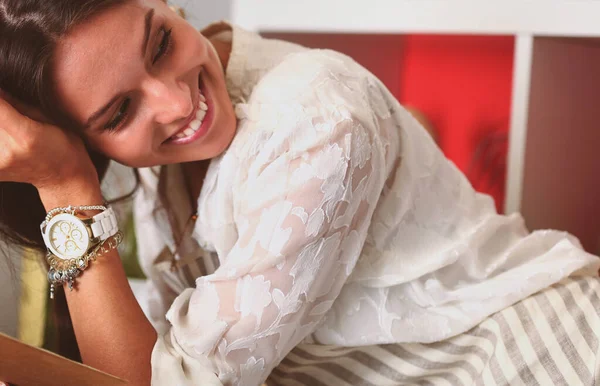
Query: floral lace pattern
(336, 220)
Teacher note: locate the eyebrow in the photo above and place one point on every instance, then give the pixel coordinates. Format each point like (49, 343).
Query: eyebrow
(147, 30)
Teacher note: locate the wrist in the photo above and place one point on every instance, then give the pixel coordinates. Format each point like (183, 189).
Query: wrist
(74, 192)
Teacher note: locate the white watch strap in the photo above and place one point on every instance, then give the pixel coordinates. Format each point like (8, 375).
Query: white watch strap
(104, 225)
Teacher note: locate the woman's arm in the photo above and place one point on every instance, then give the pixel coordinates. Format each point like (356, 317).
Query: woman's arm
(112, 332)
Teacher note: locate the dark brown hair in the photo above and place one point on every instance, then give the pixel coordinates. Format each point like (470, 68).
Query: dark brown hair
(29, 32)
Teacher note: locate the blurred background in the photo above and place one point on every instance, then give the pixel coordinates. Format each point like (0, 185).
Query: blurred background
(508, 89)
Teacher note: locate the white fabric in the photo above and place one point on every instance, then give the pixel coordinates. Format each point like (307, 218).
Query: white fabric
(335, 220)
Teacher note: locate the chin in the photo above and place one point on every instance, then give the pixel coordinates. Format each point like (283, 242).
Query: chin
(231, 130)
(224, 134)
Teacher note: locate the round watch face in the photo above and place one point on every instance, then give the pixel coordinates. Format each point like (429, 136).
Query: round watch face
(67, 236)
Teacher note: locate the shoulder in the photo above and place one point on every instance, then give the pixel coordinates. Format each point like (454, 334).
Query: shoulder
(324, 74)
(310, 100)
(317, 85)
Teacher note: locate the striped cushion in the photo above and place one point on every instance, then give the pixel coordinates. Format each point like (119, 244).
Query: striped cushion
(550, 338)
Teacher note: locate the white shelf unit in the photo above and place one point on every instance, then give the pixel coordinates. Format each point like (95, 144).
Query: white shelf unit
(553, 174)
(499, 17)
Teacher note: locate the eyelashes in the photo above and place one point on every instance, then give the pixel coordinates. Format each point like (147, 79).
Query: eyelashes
(163, 49)
(120, 116)
(164, 45)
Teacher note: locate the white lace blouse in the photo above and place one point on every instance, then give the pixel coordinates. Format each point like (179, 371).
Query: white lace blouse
(332, 218)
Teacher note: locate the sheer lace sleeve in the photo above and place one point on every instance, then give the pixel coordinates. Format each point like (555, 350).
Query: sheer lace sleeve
(302, 216)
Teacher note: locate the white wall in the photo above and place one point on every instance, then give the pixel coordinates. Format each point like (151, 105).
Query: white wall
(202, 12)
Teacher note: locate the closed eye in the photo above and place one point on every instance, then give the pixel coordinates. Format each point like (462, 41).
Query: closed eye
(164, 45)
(120, 116)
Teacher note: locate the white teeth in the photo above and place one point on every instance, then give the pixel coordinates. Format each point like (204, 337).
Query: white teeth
(195, 125)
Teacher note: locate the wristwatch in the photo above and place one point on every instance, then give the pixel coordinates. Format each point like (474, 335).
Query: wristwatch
(73, 241)
(69, 237)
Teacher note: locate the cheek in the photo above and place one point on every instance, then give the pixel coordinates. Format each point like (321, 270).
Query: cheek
(129, 150)
(190, 49)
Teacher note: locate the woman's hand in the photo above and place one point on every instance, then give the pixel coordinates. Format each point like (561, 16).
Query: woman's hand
(39, 153)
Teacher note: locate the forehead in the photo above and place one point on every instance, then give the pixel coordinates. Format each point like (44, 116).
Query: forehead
(92, 63)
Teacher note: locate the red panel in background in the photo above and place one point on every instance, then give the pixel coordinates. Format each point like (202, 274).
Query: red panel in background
(463, 85)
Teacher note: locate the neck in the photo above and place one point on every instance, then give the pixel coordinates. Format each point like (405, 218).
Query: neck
(194, 173)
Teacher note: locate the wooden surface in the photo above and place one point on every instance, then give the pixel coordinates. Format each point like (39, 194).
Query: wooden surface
(25, 365)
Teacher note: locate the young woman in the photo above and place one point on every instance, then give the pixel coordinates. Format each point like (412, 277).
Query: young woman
(297, 224)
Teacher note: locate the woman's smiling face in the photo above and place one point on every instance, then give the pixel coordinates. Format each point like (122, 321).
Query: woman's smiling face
(146, 87)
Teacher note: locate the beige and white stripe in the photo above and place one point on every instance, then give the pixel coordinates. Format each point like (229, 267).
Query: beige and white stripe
(550, 338)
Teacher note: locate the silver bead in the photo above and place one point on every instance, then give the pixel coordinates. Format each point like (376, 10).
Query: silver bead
(56, 276)
(73, 272)
(59, 277)
(51, 275)
(82, 264)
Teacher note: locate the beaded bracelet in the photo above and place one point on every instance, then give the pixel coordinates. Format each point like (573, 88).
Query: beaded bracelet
(72, 209)
(66, 271)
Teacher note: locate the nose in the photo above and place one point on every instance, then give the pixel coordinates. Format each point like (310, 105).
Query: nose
(170, 100)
